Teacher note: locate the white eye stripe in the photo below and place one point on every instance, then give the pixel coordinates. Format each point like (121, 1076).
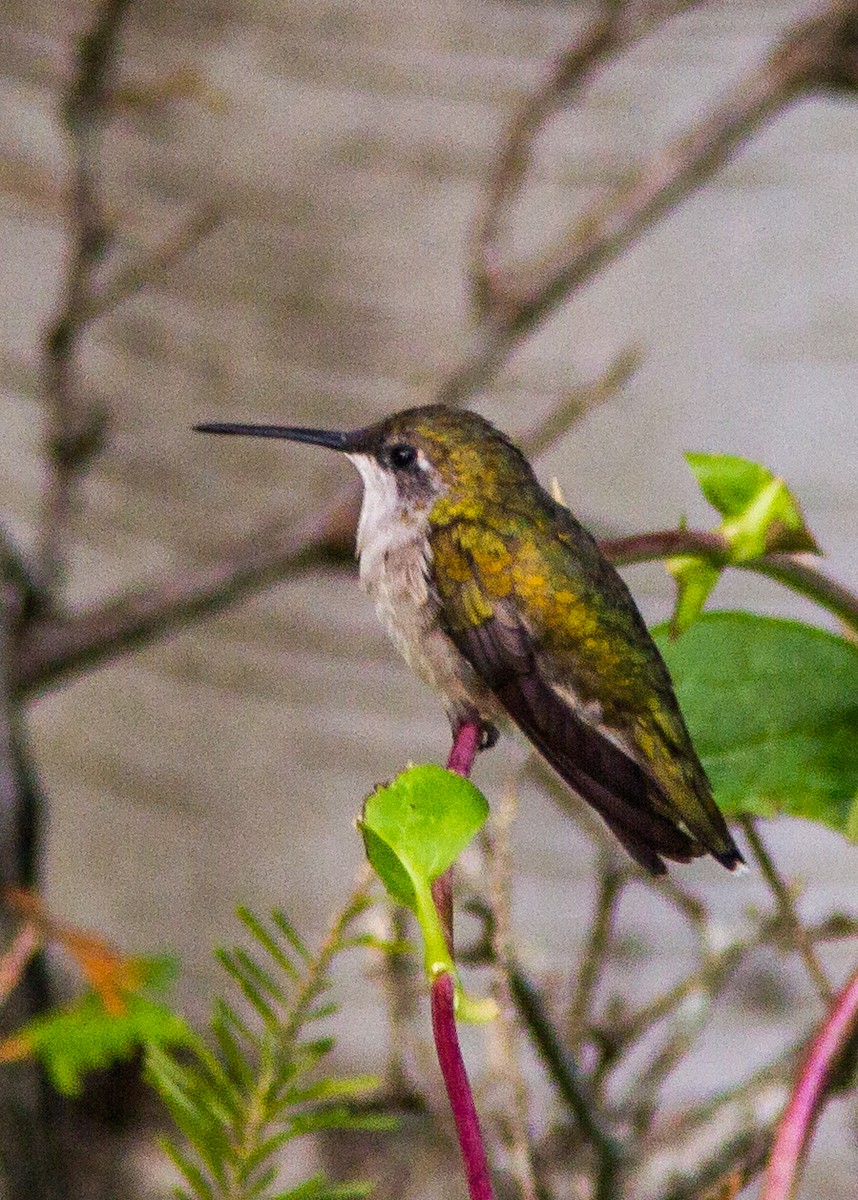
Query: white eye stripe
(422, 461)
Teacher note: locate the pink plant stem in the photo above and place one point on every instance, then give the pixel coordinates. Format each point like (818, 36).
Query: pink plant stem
(805, 1102)
(459, 1090)
(466, 743)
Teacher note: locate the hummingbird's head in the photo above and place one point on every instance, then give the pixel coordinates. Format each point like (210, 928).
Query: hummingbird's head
(417, 462)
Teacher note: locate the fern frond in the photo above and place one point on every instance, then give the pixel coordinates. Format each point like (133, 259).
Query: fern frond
(240, 1099)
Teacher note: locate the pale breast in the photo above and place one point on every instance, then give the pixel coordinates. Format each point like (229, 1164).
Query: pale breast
(395, 572)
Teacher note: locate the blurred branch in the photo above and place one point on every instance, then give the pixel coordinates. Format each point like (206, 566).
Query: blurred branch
(808, 1096)
(151, 264)
(787, 569)
(798, 934)
(515, 1124)
(612, 878)
(686, 1157)
(572, 408)
(564, 1074)
(57, 647)
(613, 31)
(76, 422)
(30, 1113)
(818, 54)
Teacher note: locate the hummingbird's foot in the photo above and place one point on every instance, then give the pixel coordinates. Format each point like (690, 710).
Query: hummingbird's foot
(489, 735)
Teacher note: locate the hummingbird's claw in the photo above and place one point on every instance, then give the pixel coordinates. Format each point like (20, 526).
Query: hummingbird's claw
(489, 735)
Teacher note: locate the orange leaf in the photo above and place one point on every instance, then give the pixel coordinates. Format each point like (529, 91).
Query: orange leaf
(107, 971)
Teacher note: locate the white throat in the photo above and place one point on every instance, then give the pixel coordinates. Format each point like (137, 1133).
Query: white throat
(381, 511)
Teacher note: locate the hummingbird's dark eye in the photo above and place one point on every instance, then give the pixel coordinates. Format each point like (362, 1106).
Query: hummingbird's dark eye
(402, 456)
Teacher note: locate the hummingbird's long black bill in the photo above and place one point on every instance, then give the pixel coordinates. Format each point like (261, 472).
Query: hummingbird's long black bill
(332, 439)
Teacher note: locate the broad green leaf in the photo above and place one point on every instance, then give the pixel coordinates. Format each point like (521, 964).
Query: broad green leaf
(728, 482)
(414, 829)
(772, 706)
(418, 825)
(760, 513)
(760, 516)
(86, 1037)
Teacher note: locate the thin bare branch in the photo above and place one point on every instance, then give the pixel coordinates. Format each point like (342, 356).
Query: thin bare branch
(571, 409)
(55, 648)
(816, 54)
(516, 1123)
(571, 1087)
(690, 1151)
(75, 422)
(611, 880)
(614, 30)
(788, 569)
(798, 934)
(151, 265)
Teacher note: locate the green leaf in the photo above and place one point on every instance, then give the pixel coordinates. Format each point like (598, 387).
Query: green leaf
(772, 706)
(416, 827)
(760, 513)
(729, 483)
(695, 578)
(86, 1037)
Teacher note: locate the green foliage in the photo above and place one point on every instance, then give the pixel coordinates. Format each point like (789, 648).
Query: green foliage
(772, 706)
(240, 1097)
(760, 516)
(414, 829)
(86, 1036)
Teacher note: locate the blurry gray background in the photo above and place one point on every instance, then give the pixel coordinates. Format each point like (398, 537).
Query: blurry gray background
(347, 144)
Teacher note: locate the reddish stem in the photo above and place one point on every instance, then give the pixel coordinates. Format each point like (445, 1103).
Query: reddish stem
(466, 743)
(800, 1116)
(459, 1090)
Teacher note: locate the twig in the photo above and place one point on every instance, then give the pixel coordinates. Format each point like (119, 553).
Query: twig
(55, 648)
(76, 425)
(797, 1123)
(459, 1089)
(565, 1076)
(572, 408)
(815, 54)
(500, 886)
(787, 909)
(609, 34)
(709, 978)
(150, 265)
(612, 879)
(690, 1151)
(801, 577)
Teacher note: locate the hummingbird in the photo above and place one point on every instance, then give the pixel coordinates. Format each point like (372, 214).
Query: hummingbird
(501, 601)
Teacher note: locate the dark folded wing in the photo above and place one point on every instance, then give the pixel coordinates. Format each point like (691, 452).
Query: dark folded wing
(502, 653)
